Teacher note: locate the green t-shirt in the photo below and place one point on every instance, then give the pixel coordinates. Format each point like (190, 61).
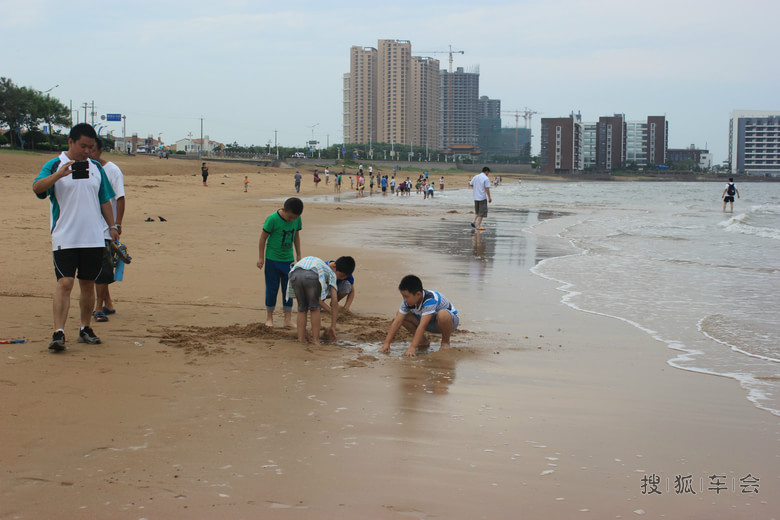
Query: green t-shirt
(281, 237)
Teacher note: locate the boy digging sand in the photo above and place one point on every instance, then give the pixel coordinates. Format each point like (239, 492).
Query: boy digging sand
(312, 280)
(422, 310)
(281, 231)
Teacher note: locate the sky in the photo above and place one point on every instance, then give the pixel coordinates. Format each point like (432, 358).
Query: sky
(256, 71)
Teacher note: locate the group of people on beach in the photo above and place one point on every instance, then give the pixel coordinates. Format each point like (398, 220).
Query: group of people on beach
(384, 183)
(87, 201)
(319, 285)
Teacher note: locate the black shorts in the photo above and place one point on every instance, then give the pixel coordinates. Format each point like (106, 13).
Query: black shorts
(728, 198)
(106, 275)
(87, 261)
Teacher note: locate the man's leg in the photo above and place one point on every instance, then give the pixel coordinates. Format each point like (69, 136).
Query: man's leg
(100, 296)
(86, 301)
(61, 302)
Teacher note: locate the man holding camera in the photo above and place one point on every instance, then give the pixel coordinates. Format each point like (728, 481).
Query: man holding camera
(80, 196)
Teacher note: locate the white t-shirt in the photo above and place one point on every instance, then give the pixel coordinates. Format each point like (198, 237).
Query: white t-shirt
(117, 180)
(480, 183)
(76, 219)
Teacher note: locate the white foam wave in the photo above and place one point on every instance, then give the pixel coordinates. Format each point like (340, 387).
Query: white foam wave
(740, 224)
(685, 356)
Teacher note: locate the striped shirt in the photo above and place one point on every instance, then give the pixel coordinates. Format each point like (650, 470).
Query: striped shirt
(432, 302)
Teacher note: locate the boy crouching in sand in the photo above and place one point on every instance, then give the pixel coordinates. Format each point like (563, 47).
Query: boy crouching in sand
(311, 281)
(422, 310)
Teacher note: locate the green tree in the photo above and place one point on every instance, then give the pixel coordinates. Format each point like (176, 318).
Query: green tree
(26, 108)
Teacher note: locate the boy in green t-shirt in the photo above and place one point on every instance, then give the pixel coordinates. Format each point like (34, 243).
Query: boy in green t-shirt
(281, 231)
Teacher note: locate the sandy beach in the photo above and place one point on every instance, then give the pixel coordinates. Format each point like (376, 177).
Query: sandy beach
(191, 408)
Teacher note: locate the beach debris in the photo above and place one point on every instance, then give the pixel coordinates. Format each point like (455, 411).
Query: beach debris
(149, 219)
(162, 219)
(8, 341)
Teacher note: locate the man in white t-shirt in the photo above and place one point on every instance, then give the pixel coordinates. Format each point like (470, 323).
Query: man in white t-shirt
(103, 303)
(481, 186)
(80, 200)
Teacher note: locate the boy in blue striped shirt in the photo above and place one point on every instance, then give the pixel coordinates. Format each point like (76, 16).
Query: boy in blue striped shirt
(422, 310)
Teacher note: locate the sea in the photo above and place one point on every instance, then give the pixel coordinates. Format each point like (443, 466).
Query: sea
(661, 256)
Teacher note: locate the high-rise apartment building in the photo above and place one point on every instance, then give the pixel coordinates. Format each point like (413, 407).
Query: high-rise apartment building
(425, 102)
(459, 108)
(391, 96)
(394, 91)
(754, 142)
(360, 96)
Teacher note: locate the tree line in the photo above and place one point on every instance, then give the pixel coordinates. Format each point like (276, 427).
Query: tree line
(24, 109)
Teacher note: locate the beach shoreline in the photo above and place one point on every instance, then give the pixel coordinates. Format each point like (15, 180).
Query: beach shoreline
(190, 407)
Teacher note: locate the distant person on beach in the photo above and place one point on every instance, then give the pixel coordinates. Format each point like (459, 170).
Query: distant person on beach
(104, 305)
(246, 183)
(316, 178)
(80, 201)
(204, 172)
(312, 281)
(422, 310)
(327, 176)
(481, 186)
(441, 183)
(728, 194)
(298, 178)
(281, 233)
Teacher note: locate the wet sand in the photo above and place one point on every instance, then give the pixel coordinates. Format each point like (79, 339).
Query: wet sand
(192, 409)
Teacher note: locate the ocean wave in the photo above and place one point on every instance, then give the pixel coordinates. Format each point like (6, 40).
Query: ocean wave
(741, 224)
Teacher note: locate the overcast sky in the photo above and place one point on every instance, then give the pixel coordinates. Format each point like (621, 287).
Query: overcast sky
(251, 67)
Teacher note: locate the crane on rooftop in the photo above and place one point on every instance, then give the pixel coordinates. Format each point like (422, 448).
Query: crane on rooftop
(450, 52)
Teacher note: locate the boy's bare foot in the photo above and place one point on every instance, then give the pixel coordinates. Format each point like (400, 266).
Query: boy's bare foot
(289, 325)
(269, 324)
(444, 346)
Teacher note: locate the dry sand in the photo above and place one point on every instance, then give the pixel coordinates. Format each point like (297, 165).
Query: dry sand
(192, 409)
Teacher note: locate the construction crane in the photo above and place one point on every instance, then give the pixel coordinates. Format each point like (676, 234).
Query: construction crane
(450, 52)
(526, 114)
(449, 90)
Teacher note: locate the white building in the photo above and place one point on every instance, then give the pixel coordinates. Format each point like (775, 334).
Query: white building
(195, 146)
(754, 142)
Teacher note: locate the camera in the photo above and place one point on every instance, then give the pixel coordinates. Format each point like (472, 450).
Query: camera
(80, 170)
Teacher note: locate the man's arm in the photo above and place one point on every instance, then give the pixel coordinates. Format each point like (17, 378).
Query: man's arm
(263, 239)
(487, 190)
(108, 214)
(120, 212)
(399, 319)
(42, 185)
